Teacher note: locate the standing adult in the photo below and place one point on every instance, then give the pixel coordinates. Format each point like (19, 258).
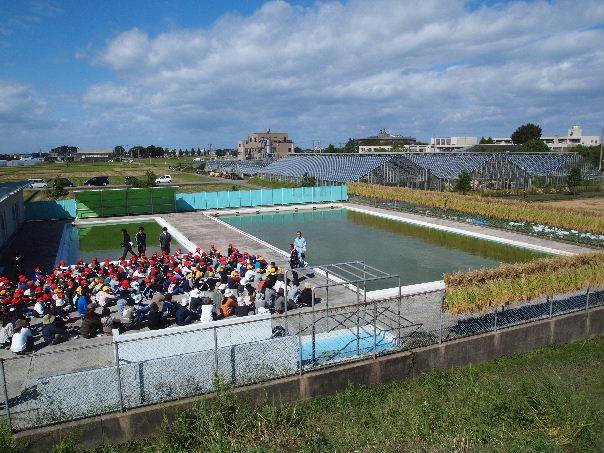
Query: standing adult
(18, 268)
(294, 262)
(141, 241)
(300, 244)
(126, 244)
(165, 239)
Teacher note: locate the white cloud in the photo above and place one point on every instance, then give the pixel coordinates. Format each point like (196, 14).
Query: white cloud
(20, 109)
(333, 70)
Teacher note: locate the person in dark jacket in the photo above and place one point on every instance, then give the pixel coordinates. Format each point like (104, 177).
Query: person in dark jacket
(155, 320)
(91, 324)
(52, 331)
(294, 262)
(18, 268)
(183, 315)
(141, 241)
(126, 244)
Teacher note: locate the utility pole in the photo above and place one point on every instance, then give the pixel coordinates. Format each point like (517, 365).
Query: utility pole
(601, 137)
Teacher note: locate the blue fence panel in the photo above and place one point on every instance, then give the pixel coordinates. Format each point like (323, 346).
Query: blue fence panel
(222, 200)
(307, 194)
(288, 196)
(234, 199)
(211, 200)
(246, 198)
(344, 192)
(267, 196)
(322, 194)
(47, 210)
(260, 197)
(187, 202)
(256, 196)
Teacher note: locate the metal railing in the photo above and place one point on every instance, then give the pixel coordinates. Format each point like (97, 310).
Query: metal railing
(49, 387)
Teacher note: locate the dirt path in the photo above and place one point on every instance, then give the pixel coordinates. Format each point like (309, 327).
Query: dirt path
(593, 205)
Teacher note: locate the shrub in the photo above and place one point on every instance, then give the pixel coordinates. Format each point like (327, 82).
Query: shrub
(487, 288)
(56, 188)
(150, 178)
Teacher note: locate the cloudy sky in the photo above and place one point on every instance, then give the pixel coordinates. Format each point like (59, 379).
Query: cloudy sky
(189, 73)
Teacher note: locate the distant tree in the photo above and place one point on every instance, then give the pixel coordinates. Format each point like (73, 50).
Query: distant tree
(464, 182)
(137, 151)
(233, 152)
(573, 179)
(397, 148)
(65, 150)
(589, 153)
(149, 180)
(535, 146)
(526, 132)
(308, 180)
(351, 146)
(486, 141)
(220, 152)
(331, 149)
(56, 188)
(297, 149)
(119, 151)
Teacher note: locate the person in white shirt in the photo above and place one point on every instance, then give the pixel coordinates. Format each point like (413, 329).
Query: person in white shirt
(300, 244)
(23, 340)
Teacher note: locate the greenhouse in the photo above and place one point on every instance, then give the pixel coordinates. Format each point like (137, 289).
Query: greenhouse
(436, 171)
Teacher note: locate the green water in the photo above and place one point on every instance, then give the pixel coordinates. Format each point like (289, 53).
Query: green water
(103, 241)
(416, 253)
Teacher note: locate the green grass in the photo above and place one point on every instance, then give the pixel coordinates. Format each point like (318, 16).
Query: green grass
(550, 400)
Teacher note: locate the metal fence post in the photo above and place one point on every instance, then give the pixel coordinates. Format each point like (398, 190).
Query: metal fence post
(440, 327)
(495, 319)
(374, 328)
(6, 401)
(358, 324)
(119, 375)
(400, 301)
(551, 307)
(300, 342)
(587, 299)
(314, 351)
(215, 352)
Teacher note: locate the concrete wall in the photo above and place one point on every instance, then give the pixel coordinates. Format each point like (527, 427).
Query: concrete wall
(142, 422)
(12, 215)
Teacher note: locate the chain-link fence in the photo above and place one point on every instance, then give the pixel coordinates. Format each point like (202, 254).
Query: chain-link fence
(150, 367)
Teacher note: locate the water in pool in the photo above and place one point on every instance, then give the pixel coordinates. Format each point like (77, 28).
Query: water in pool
(418, 254)
(103, 240)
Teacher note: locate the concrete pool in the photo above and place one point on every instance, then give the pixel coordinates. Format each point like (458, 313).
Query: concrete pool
(102, 239)
(415, 252)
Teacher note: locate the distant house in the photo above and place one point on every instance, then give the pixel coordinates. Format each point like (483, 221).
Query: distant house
(264, 145)
(94, 155)
(386, 142)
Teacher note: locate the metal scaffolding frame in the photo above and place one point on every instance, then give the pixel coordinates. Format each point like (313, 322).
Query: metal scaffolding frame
(354, 276)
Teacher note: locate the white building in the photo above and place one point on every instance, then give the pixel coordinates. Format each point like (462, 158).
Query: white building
(573, 138)
(451, 143)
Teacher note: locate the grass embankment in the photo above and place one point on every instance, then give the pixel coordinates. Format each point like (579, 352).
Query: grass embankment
(511, 283)
(487, 207)
(549, 400)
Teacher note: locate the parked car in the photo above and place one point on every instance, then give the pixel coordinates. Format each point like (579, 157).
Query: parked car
(98, 181)
(64, 182)
(38, 184)
(165, 179)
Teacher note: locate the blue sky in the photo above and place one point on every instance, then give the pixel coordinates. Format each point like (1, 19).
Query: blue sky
(190, 73)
